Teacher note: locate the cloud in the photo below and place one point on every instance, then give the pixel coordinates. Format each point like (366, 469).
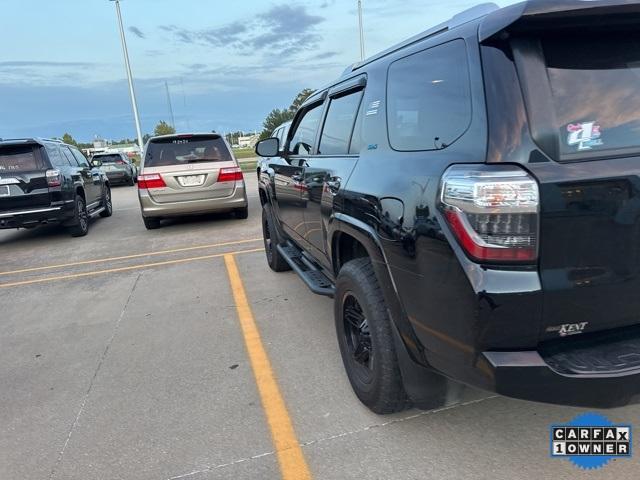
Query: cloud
(283, 29)
(324, 55)
(137, 32)
(37, 63)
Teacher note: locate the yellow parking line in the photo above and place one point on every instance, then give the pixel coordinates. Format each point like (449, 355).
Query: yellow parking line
(121, 269)
(293, 465)
(128, 257)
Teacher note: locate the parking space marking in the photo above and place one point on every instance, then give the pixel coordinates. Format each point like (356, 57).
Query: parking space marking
(129, 257)
(124, 269)
(293, 465)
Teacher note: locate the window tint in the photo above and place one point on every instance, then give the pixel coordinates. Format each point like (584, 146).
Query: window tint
(80, 158)
(56, 158)
(356, 138)
(338, 126)
(595, 83)
(429, 98)
(305, 135)
(181, 151)
(66, 153)
(18, 159)
(113, 158)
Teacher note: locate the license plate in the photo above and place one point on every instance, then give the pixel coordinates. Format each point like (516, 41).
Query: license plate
(191, 180)
(4, 190)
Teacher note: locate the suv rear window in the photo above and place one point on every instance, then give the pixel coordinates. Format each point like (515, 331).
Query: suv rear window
(108, 158)
(176, 151)
(18, 159)
(595, 82)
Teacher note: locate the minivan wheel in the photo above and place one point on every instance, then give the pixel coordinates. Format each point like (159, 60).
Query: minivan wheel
(80, 225)
(151, 223)
(241, 213)
(131, 181)
(106, 203)
(276, 262)
(365, 338)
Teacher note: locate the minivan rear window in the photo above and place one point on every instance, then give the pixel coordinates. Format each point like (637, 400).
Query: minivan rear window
(18, 159)
(182, 150)
(595, 83)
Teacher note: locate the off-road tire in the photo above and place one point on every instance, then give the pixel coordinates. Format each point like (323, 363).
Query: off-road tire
(107, 203)
(381, 390)
(276, 261)
(80, 226)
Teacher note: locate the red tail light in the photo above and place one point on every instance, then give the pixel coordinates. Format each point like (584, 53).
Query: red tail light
(492, 211)
(232, 174)
(150, 181)
(54, 178)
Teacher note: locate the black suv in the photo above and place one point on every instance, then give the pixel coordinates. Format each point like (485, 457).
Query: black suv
(46, 181)
(471, 200)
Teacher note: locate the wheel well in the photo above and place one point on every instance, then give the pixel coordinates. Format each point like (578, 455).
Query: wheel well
(345, 249)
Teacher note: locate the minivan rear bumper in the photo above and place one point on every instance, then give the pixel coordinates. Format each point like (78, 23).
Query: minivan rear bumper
(526, 375)
(150, 208)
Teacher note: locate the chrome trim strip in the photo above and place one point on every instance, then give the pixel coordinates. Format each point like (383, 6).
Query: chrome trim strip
(28, 212)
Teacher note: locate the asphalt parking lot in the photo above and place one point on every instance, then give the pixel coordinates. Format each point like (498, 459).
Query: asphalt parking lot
(177, 354)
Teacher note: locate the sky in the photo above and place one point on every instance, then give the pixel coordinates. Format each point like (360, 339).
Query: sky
(227, 64)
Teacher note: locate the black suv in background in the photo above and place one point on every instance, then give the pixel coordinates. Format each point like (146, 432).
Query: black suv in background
(470, 198)
(46, 181)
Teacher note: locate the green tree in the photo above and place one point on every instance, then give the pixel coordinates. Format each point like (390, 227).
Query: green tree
(68, 139)
(276, 118)
(145, 139)
(163, 128)
(300, 99)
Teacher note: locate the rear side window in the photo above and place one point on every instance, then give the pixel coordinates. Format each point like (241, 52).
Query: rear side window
(80, 158)
(18, 159)
(164, 152)
(429, 98)
(338, 125)
(595, 83)
(56, 157)
(304, 137)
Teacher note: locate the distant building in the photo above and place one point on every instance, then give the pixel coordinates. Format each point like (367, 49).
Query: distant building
(101, 145)
(248, 142)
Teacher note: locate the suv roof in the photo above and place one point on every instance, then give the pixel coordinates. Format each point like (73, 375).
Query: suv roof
(38, 140)
(186, 135)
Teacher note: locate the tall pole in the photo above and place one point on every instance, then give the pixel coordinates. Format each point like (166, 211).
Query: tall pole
(132, 92)
(173, 120)
(361, 26)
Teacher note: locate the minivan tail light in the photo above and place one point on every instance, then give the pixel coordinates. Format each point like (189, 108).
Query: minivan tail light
(493, 211)
(54, 178)
(231, 174)
(150, 181)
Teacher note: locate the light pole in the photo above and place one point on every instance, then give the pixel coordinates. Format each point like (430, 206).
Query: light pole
(361, 30)
(132, 92)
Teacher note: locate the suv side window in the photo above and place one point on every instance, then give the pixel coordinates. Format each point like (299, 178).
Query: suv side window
(303, 139)
(80, 158)
(68, 155)
(356, 138)
(338, 126)
(56, 158)
(429, 98)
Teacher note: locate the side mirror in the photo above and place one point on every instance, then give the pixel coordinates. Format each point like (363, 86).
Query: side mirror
(96, 163)
(268, 148)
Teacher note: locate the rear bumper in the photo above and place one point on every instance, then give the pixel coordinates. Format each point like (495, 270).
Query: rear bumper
(150, 208)
(526, 375)
(115, 177)
(31, 217)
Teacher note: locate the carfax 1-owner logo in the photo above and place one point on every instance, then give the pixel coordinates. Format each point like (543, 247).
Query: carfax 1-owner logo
(590, 441)
(584, 136)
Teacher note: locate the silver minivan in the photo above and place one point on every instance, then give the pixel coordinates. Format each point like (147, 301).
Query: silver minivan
(189, 174)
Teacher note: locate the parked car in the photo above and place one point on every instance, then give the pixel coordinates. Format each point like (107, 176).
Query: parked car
(46, 181)
(470, 198)
(118, 167)
(189, 174)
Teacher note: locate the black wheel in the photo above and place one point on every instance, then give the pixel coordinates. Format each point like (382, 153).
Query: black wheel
(106, 203)
(365, 338)
(276, 262)
(151, 223)
(131, 182)
(241, 213)
(80, 225)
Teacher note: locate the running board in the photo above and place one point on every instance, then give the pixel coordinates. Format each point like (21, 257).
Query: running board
(95, 213)
(307, 270)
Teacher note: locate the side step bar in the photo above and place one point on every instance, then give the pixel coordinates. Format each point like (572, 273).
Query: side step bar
(310, 273)
(96, 212)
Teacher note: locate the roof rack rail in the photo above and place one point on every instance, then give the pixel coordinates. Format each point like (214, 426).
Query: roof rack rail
(455, 21)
